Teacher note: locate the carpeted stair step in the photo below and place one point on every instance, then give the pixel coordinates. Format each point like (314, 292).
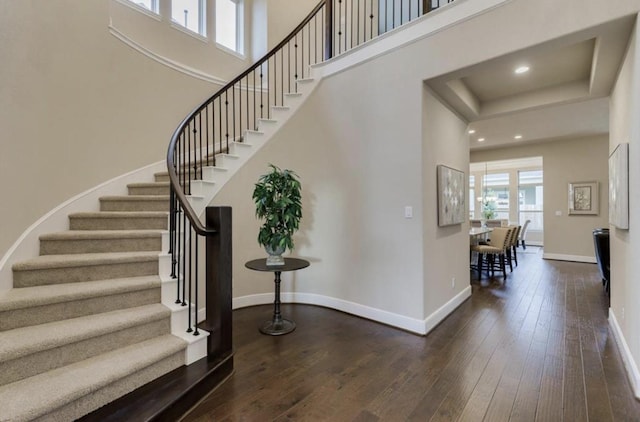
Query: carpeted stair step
(28, 351)
(57, 269)
(157, 188)
(66, 393)
(135, 203)
(43, 304)
(96, 241)
(118, 220)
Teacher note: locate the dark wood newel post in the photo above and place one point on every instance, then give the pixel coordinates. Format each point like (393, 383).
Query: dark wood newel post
(328, 30)
(219, 276)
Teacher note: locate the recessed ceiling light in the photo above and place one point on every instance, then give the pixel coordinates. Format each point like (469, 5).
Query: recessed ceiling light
(480, 139)
(521, 69)
(517, 137)
(472, 131)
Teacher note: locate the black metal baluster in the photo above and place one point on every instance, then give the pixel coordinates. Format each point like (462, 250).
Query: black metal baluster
(213, 133)
(172, 230)
(295, 59)
(358, 24)
(339, 26)
(187, 162)
(393, 15)
(219, 128)
(308, 47)
(207, 135)
(196, 332)
(386, 14)
(288, 69)
(200, 144)
(190, 283)
(254, 94)
(323, 34)
(269, 77)
(370, 20)
(350, 23)
(179, 252)
(282, 76)
(182, 172)
(233, 120)
(184, 256)
(246, 87)
(192, 151)
(226, 124)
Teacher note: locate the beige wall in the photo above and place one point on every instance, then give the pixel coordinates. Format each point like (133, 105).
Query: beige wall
(565, 161)
(446, 262)
(284, 16)
(363, 145)
(625, 244)
(78, 106)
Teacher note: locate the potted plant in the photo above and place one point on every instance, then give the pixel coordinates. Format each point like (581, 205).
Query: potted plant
(278, 203)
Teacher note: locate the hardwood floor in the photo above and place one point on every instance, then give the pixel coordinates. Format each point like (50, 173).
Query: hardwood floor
(534, 348)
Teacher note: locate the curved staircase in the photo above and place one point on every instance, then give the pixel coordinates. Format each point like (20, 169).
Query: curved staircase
(84, 323)
(90, 319)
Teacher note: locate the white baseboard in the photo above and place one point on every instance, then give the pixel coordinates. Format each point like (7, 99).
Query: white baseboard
(572, 258)
(444, 311)
(627, 357)
(413, 325)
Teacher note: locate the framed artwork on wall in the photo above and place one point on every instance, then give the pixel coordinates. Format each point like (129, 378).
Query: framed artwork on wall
(583, 198)
(451, 196)
(619, 186)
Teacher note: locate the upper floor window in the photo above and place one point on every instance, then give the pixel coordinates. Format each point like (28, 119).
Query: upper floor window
(229, 23)
(150, 5)
(190, 14)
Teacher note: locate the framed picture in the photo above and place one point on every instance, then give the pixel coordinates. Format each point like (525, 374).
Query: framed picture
(619, 186)
(451, 196)
(583, 198)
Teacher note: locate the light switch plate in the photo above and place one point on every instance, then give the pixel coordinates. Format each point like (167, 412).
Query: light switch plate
(408, 212)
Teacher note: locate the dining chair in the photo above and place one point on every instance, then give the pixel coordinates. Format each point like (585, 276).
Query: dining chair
(523, 234)
(512, 254)
(494, 254)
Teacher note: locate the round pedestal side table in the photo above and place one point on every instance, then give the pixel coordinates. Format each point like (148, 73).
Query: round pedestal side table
(277, 326)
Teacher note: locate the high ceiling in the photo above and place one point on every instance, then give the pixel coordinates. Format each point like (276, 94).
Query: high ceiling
(563, 94)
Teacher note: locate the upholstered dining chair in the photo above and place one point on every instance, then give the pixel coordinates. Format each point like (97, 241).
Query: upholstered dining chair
(523, 234)
(494, 254)
(512, 254)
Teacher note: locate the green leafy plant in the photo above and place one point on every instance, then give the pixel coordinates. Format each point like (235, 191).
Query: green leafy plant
(279, 203)
(489, 210)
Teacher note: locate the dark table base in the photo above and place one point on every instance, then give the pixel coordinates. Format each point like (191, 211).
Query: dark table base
(277, 328)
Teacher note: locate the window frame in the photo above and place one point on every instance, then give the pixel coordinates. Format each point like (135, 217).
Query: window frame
(239, 32)
(133, 4)
(201, 34)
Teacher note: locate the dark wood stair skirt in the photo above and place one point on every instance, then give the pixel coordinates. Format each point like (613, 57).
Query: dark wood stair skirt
(169, 397)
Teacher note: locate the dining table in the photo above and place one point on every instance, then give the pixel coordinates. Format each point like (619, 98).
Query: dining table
(478, 233)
